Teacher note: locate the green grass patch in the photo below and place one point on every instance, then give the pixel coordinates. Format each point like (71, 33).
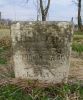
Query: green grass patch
(3, 49)
(78, 38)
(13, 92)
(3, 61)
(78, 33)
(78, 47)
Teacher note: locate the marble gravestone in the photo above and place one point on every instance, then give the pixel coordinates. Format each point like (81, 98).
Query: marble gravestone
(41, 50)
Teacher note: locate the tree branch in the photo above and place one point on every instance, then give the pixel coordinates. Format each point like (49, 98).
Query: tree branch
(75, 2)
(46, 9)
(41, 6)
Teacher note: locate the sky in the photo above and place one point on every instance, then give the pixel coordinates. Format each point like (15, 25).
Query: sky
(60, 10)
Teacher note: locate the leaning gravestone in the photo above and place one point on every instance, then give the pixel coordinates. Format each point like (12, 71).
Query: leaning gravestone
(41, 50)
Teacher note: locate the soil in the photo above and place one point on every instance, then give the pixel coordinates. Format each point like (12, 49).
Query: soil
(76, 69)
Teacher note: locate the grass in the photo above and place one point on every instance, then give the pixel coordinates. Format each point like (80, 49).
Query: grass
(78, 33)
(5, 45)
(58, 92)
(4, 32)
(77, 47)
(11, 92)
(77, 44)
(78, 37)
(3, 49)
(3, 60)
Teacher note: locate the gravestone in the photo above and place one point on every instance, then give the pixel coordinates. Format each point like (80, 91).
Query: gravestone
(41, 50)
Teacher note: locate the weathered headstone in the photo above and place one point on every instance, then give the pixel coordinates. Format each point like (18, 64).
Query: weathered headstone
(41, 50)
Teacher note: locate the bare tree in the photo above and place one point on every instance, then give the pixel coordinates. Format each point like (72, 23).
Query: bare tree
(79, 15)
(38, 10)
(44, 11)
(78, 3)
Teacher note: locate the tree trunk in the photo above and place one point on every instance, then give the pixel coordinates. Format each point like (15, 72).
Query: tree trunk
(44, 12)
(79, 15)
(43, 18)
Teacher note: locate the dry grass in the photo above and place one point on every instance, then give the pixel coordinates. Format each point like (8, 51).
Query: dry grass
(5, 42)
(76, 69)
(4, 33)
(33, 90)
(6, 68)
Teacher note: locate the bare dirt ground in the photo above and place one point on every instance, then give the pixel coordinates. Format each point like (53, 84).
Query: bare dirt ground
(76, 69)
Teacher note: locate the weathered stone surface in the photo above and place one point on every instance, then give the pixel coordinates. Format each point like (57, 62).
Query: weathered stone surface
(41, 50)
